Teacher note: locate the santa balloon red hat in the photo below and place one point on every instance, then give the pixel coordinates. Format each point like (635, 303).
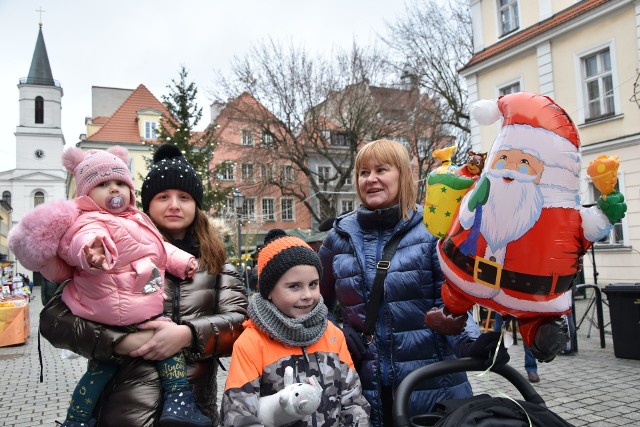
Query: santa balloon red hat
(538, 126)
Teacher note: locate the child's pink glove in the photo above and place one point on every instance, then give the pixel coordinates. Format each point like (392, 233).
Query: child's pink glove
(192, 267)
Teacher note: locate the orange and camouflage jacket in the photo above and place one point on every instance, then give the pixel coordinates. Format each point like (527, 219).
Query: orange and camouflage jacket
(257, 369)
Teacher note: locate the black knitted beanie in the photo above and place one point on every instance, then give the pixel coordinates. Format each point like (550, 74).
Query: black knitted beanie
(279, 253)
(170, 171)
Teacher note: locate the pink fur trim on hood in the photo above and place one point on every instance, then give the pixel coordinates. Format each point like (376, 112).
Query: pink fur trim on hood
(34, 241)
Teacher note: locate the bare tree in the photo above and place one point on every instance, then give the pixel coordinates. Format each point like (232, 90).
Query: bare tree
(309, 110)
(433, 40)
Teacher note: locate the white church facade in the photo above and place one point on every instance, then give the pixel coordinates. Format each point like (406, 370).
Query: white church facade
(39, 175)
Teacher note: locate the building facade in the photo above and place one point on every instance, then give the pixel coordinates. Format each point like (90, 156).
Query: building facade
(585, 56)
(242, 162)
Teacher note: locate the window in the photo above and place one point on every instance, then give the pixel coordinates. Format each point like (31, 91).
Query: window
(286, 172)
(348, 180)
(268, 210)
(598, 85)
(229, 207)
(38, 198)
(247, 172)
(616, 236)
(510, 88)
(6, 196)
(249, 209)
(267, 173)
(226, 172)
(150, 130)
(39, 109)
(247, 137)
(286, 209)
(340, 139)
(324, 173)
(404, 141)
(326, 136)
(346, 206)
(424, 146)
(267, 139)
(508, 11)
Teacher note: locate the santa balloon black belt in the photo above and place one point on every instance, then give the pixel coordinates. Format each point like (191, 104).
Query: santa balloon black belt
(492, 274)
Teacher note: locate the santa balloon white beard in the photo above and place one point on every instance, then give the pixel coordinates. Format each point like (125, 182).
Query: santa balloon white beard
(512, 207)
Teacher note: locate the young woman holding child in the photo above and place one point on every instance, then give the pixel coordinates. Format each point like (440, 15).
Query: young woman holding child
(206, 311)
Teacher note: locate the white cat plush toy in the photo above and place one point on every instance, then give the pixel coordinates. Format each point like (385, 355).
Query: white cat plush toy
(293, 403)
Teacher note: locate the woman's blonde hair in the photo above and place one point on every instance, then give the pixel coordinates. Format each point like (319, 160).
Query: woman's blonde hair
(395, 154)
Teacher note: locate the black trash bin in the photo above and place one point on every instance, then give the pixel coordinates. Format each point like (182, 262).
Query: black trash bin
(624, 309)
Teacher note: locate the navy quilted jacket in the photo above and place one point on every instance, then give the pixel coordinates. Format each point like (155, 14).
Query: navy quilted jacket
(402, 343)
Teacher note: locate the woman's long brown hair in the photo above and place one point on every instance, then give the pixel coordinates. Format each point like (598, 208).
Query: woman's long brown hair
(212, 251)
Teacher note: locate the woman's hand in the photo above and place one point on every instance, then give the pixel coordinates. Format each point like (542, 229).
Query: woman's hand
(168, 338)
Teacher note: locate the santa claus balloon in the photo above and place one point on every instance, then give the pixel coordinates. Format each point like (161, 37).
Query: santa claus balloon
(517, 242)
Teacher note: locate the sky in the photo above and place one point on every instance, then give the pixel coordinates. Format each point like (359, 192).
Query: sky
(124, 43)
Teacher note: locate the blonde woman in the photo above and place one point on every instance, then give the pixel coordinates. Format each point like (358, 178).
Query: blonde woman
(349, 254)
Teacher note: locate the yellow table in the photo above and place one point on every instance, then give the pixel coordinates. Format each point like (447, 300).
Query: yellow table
(14, 325)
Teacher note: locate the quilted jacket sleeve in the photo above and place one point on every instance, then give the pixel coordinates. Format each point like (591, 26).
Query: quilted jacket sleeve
(89, 339)
(327, 283)
(177, 260)
(72, 249)
(355, 408)
(56, 270)
(215, 334)
(241, 398)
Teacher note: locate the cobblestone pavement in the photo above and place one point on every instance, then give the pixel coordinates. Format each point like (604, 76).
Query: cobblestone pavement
(591, 388)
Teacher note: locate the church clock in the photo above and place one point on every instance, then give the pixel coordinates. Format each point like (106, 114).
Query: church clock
(39, 154)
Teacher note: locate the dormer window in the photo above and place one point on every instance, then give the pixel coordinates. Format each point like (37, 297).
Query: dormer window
(150, 130)
(39, 109)
(148, 123)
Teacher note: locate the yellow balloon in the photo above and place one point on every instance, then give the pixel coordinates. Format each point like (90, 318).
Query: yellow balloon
(443, 196)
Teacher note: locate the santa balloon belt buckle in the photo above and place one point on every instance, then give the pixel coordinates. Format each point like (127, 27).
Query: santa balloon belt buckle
(488, 269)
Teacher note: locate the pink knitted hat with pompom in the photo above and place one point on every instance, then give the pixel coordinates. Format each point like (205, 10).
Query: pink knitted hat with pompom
(93, 167)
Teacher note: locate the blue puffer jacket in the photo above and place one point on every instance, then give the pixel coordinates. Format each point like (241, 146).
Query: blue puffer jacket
(402, 343)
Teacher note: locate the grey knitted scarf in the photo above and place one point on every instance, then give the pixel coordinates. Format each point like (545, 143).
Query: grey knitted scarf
(299, 332)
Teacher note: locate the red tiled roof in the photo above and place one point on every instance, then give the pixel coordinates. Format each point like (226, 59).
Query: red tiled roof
(122, 126)
(535, 30)
(100, 120)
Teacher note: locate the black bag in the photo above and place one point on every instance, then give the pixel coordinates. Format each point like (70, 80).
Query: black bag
(487, 411)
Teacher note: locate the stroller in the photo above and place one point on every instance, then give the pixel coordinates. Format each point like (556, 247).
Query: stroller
(481, 410)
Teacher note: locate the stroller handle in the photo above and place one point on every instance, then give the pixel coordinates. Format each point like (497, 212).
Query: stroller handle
(404, 390)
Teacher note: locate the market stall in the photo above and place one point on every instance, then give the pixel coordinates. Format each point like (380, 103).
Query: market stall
(14, 321)
(14, 307)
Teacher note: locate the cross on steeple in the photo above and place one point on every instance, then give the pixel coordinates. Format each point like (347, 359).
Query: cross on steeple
(40, 11)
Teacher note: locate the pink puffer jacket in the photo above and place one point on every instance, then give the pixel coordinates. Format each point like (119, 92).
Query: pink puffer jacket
(133, 247)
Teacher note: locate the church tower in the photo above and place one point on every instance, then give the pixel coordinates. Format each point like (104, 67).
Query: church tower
(39, 175)
(39, 138)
